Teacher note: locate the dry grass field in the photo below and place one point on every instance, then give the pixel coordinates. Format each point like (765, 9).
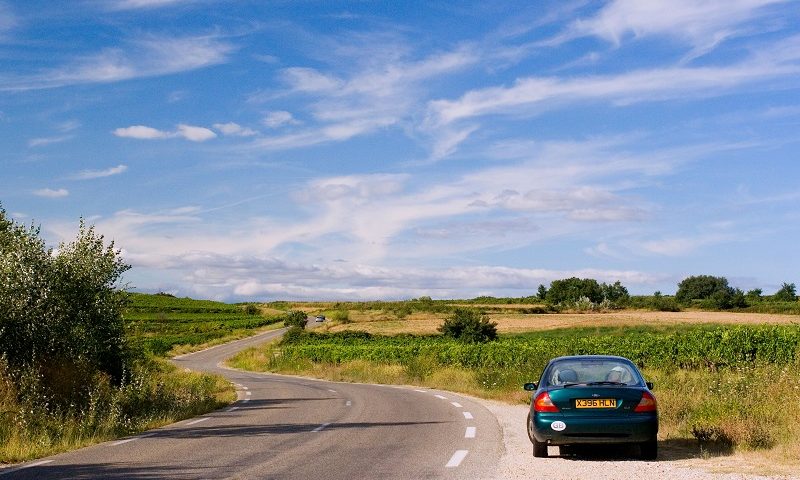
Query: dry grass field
(378, 322)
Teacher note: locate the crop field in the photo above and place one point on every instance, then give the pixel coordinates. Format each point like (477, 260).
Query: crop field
(162, 323)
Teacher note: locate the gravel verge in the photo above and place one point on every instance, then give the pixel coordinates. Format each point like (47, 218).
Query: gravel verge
(518, 461)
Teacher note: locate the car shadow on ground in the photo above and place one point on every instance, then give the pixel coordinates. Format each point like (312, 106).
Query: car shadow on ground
(668, 450)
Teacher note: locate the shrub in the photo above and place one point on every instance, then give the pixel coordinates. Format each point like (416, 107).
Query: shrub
(468, 325)
(341, 316)
(787, 293)
(701, 287)
(295, 318)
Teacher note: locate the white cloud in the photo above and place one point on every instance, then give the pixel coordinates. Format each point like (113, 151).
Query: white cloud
(195, 134)
(279, 118)
(702, 24)
(51, 193)
(39, 142)
(531, 95)
(146, 4)
(309, 80)
(141, 132)
(234, 129)
(108, 172)
(147, 56)
(680, 246)
(189, 132)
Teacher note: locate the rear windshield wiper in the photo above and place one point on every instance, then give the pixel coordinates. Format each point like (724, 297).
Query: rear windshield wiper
(606, 383)
(566, 385)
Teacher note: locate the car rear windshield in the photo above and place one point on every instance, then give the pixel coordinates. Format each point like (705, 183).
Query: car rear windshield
(592, 371)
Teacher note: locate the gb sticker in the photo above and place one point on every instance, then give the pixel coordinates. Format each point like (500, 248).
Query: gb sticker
(558, 426)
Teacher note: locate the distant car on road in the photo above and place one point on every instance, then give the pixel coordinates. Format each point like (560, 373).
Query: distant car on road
(319, 318)
(592, 399)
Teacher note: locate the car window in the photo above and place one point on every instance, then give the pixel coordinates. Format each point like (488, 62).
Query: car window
(590, 371)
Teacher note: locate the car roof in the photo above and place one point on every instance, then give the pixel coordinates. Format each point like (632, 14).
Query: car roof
(590, 357)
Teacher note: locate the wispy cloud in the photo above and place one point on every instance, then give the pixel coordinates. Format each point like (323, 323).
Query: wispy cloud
(279, 118)
(532, 95)
(51, 193)
(146, 56)
(234, 129)
(701, 24)
(42, 141)
(188, 132)
(92, 174)
(146, 4)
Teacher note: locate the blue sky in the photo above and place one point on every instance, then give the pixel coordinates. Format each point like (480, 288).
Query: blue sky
(380, 150)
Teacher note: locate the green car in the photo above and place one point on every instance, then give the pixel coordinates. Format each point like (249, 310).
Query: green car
(592, 399)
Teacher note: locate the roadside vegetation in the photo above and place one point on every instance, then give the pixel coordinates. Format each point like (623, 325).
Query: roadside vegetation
(73, 369)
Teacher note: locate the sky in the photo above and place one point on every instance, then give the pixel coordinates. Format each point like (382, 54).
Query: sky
(326, 150)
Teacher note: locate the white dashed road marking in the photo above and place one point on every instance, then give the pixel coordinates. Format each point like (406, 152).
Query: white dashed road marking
(470, 433)
(348, 404)
(232, 409)
(332, 391)
(320, 428)
(248, 393)
(30, 465)
(127, 440)
(420, 391)
(468, 416)
(441, 396)
(457, 458)
(193, 422)
(456, 404)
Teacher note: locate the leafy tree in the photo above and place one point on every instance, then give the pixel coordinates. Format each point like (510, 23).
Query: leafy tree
(701, 287)
(616, 293)
(295, 318)
(61, 307)
(541, 293)
(754, 295)
(571, 290)
(469, 325)
(787, 293)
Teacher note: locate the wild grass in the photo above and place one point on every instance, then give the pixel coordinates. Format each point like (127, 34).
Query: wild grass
(155, 394)
(745, 406)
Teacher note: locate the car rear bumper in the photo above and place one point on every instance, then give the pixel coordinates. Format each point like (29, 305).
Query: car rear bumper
(595, 429)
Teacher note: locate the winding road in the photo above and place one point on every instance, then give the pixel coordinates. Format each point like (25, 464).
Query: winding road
(295, 428)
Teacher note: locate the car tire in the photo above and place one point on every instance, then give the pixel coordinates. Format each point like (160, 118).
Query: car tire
(649, 449)
(530, 428)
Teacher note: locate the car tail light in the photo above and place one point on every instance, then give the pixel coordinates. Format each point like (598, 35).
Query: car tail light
(647, 403)
(543, 403)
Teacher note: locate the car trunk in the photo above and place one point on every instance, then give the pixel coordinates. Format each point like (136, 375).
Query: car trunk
(594, 401)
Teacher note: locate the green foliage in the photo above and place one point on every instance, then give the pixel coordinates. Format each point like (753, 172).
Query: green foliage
(657, 302)
(295, 318)
(469, 325)
(701, 287)
(341, 316)
(585, 294)
(541, 292)
(63, 306)
(787, 293)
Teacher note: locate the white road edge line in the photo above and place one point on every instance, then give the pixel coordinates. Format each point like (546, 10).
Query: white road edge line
(420, 391)
(320, 428)
(193, 422)
(470, 433)
(332, 391)
(457, 458)
(440, 396)
(232, 409)
(127, 440)
(468, 416)
(30, 465)
(456, 404)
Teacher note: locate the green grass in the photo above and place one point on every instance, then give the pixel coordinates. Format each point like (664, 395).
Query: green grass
(161, 323)
(731, 391)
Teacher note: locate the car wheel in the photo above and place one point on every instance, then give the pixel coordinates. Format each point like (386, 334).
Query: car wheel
(530, 428)
(649, 449)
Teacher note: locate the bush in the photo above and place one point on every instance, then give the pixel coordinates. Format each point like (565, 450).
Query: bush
(341, 316)
(702, 287)
(295, 318)
(585, 294)
(468, 325)
(64, 306)
(787, 293)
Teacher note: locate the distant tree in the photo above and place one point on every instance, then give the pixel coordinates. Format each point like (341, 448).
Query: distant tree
(701, 287)
(295, 318)
(469, 325)
(754, 295)
(571, 290)
(787, 293)
(616, 293)
(541, 293)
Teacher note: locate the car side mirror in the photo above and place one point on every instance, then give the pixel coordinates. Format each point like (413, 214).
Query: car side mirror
(530, 386)
(649, 385)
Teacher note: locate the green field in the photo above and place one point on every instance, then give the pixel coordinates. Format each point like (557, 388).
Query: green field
(160, 323)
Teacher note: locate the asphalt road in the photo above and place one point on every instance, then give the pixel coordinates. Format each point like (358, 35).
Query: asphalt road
(295, 428)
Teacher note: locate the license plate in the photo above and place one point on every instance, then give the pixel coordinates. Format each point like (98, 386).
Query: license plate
(595, 403)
